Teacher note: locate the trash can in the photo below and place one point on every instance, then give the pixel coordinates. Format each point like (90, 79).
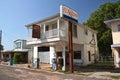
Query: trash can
(10, 62)
(54, 63)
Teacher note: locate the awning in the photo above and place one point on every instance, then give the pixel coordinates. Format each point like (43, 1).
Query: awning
(115, 45)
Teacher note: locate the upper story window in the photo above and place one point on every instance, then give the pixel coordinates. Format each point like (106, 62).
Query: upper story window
(46, 27)
(74, 28)
(17, 45)
(54, 26)
(119, 27)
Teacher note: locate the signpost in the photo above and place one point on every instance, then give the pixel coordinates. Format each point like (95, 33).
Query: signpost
(71, 16)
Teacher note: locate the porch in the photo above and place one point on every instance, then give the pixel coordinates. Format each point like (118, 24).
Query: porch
(116, 50)
(53, 30)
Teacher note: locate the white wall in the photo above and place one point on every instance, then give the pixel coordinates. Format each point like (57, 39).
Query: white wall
(52, 53)
(35, 53)
(115, 32)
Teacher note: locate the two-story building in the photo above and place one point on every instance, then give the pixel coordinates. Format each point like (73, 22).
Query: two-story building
(52, 40)
(114, 24)
(19, 47)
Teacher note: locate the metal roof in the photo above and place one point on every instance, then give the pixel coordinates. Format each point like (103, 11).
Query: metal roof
(112, 20)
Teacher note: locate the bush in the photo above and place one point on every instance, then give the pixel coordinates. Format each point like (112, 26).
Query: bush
(16, 58)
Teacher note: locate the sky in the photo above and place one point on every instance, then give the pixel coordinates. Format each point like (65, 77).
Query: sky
(15, 14)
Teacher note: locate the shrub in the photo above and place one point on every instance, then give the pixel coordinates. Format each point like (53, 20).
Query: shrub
(16, 58)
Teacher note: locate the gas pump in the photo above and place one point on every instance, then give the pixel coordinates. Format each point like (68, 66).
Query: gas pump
(54, 63)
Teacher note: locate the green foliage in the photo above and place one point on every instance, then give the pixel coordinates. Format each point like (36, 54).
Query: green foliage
(1, 47)
(106, 11)
(16, 58)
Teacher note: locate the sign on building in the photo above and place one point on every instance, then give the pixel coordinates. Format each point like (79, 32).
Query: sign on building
(68, 13)
(36, 31)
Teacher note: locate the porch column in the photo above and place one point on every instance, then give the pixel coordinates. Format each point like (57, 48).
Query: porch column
(44, 28)
(35, 54)
(63, 55)
(52, 53)
(58, 27)
(116, 58)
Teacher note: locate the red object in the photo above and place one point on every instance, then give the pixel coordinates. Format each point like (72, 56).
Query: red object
(36, 31)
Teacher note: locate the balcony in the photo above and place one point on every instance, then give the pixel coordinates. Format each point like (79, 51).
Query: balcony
(51, 34)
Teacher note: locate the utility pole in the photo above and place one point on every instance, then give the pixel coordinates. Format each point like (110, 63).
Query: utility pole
(70, 47)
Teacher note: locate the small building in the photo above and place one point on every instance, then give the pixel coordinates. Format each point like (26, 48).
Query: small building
(49, 38)
(19, 47)
(114, 25)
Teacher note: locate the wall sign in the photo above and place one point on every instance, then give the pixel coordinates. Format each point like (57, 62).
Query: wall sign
(36, 31)
(68, 13)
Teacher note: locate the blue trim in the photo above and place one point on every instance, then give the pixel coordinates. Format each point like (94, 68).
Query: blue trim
(70, 18)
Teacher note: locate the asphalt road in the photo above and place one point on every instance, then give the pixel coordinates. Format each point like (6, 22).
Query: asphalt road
(13, 73)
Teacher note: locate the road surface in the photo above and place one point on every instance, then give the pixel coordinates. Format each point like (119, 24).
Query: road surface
(14, 73)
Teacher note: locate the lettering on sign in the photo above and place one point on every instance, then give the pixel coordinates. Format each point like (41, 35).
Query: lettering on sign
(68, 13)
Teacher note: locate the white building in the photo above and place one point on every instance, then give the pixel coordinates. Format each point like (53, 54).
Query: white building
(19, 47)
(53, 41)
(114, 25)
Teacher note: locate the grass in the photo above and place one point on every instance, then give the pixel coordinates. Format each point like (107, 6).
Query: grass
(65, 72)
(100, 65)
(115, 77)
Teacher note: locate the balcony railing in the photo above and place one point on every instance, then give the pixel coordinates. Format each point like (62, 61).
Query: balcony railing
(54, 33)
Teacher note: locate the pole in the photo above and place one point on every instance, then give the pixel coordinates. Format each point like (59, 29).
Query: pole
(70, 47)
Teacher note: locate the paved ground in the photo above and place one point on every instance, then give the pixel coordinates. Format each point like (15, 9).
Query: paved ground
(14, 73)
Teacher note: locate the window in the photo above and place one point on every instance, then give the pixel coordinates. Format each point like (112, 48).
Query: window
(77, 55)
(43, 49)
(18, 45)
(119, 27)
(93, 35)
(54, 26)
(86, 31)
(89, 55)
(47, 28)
(74, 28)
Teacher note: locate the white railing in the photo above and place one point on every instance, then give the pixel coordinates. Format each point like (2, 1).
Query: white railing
(54, 33)
(51, 33)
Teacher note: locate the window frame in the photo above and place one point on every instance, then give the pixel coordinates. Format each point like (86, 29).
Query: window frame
(89, 55)
(77, 55)
(47, 28)
(18, 45)
(119, 27)
(75, 30)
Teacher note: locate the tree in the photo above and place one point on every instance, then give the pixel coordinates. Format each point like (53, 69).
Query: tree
(16, 58)
(1, 47)
(106, 11)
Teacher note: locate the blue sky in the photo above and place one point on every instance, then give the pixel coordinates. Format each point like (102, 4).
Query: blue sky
(15, 14)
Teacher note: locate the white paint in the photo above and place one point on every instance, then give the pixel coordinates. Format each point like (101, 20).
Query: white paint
(63, 54)
(58, 26)
(116, 58)
(35, 53)
(69, 12)
(52, 53)
(44, 57)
